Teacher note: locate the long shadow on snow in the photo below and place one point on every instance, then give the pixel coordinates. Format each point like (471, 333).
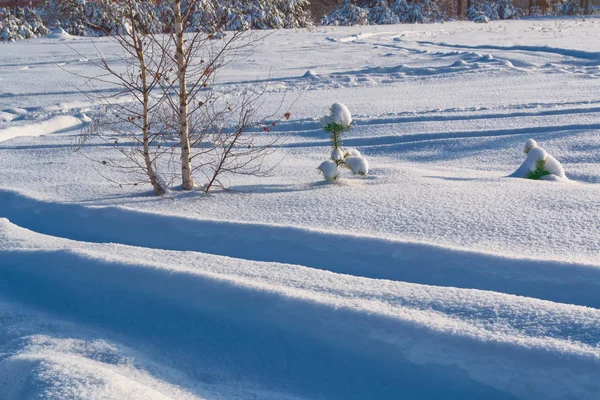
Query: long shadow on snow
(218, 332)
(347, 254)
(423, 137)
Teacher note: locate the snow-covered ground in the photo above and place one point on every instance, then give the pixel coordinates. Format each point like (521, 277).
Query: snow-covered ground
(435, 277)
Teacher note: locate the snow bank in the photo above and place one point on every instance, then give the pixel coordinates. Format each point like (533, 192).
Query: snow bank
(52, 125)
(238, 316)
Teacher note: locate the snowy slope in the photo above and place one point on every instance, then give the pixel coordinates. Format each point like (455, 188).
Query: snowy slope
(435, 277)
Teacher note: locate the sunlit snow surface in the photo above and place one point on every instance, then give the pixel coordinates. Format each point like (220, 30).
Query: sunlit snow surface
(435, 277)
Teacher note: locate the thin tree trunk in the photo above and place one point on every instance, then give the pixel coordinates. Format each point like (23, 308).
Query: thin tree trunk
(187, 181)
(138, 44)
(158, 189)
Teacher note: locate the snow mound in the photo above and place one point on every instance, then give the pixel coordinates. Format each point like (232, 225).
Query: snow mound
(59, 33)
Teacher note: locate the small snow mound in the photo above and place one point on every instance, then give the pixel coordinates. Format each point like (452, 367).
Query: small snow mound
(358, 165)
(460, 63)
(59, 33)
(310, 75)
(487, 58)
(329, 169)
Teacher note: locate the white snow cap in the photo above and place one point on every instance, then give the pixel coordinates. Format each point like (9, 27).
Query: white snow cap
(530, 144)
(330, 169)
(341, 114)
(352, 152)
(337, 155)
(358, 164)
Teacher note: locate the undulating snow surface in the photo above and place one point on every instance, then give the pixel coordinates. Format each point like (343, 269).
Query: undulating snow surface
(435, 277)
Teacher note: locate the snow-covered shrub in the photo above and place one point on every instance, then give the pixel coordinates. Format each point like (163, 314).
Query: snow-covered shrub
(30, 15)
(238, 15)
(347, 14)
(507, 10)
(535, 11)
(571, 7)
(401, 9)
(339, 120)
(104, 18)
(382, 14)
(486, 10)
(296, 13)
(17, 28)
(539, 165)
(68, 14)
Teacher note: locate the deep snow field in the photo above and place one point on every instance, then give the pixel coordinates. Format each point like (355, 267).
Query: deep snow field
(435, 277)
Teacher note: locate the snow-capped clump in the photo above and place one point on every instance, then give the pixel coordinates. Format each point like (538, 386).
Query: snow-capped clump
(329, 169)
(529, 144)
(539, 165)
(352, 152)
(357, 164)
(337, 155)
(341, 114)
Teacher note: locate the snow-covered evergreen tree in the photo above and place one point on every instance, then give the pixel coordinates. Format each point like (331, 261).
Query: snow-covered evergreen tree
(402, 9)
(382, 14)
(296, 13)
(68, 14)
(486, 10)
(571, 7)
(338, 121)
(17, 27)
(507, 10)
(31, 16)
(347, 14)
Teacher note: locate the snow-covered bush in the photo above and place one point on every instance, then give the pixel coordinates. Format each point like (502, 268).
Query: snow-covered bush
(30, 15)
(104, 17)
(382, 14)
(68, 14)
(571, 7)
(507, 10)
(339, 120)
(18, 28)
(347, 14)
(379, 12)
(492, 10)
(539, 165)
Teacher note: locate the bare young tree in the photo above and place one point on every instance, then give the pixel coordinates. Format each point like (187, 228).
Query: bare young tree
(216, 136)
(133, 120)
(178, 107)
